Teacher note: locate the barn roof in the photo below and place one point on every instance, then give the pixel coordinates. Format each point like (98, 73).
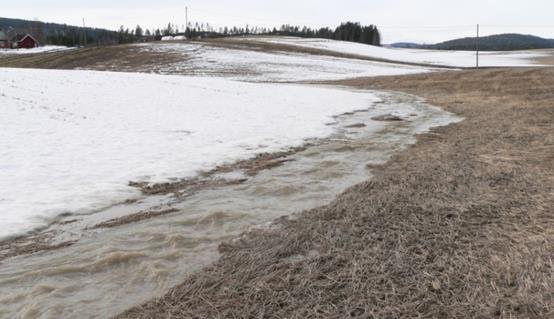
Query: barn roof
(20, 37)
(3, 36)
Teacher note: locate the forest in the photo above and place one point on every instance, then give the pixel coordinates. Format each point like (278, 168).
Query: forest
(66, 35)
(58, 34)
(347, 31)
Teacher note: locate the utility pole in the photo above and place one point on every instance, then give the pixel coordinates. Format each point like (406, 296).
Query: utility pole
(477, 47)
(84, 33)
(186, 19)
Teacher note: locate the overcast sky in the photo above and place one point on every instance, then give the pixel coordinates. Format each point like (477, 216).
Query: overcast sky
(399, 20)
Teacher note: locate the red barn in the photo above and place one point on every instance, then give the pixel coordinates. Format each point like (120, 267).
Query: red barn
(25, 42)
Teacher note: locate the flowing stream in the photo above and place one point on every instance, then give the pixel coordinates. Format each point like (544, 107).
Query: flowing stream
(108, 270)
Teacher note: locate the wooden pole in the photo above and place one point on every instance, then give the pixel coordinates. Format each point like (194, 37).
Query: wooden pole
(84, 33)
(477, 48)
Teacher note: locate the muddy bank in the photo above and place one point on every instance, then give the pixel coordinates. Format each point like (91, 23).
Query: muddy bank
(460, 225)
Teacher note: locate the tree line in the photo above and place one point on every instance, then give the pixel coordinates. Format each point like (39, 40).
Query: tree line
(62, 34)
(347, 31)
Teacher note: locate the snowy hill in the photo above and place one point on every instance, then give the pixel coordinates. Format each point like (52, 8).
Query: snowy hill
(416, 56)
(251, 65)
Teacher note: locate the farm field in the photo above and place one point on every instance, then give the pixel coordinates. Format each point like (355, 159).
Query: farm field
(459, 225)
(313, 177)
(276, 58)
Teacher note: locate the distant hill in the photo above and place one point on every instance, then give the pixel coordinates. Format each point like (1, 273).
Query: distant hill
(58, 34)
(406, 45)
(499, 42)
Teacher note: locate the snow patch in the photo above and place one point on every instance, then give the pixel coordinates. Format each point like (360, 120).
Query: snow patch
(43, 49)
(72, 140)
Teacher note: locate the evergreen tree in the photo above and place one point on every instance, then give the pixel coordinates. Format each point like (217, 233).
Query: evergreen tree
(139, 32)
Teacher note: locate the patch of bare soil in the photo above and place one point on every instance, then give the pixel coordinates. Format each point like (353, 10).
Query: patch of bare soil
(26, 245)
(387, 118)
(134, 218)
(206, 180)
(121, 58)
(461, 225)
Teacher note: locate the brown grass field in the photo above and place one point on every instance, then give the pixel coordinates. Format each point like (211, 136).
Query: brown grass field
(460, 225)
(122, 58)
(129, 58)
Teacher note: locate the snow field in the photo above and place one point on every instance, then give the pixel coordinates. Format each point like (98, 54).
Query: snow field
(72, 140)
(257, 66)
(432, 57)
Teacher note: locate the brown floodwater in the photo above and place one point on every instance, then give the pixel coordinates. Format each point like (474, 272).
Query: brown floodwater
(108, 270)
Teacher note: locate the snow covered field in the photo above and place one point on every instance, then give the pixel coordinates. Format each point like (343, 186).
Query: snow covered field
(43, 49)
(434, 57)
(72, 140)
(205, 60)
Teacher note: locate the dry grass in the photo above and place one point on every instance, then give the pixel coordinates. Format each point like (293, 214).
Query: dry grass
(130, 58)
(122, 58)
(459, 226)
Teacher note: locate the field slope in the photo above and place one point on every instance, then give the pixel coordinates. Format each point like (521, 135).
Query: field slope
(459, 226)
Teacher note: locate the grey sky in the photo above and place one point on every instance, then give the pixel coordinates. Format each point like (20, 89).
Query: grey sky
(399, 20)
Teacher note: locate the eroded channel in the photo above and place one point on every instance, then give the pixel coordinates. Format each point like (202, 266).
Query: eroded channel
(97, 272)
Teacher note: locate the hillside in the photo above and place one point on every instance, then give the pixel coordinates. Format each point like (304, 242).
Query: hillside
(383, 54)
(498, 42)
(58, 34)
(406, 45)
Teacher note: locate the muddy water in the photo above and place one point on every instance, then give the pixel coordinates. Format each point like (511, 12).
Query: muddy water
(109, 270)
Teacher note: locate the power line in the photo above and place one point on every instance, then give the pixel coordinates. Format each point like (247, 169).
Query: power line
(426, 27)
(235, 17)
(516, 26)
